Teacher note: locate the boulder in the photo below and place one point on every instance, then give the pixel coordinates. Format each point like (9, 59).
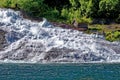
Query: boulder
(80, 26)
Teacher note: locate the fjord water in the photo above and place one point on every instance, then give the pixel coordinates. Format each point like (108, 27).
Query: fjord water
(59, 71)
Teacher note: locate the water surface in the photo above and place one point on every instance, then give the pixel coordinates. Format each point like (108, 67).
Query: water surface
(59, 71)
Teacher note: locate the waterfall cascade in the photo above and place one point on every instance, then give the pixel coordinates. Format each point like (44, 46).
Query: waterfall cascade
(33, 42)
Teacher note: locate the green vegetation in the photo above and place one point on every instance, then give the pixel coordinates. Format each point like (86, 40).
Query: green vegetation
(87, 11)
(111, 31)
(67, 10)
(112, 36)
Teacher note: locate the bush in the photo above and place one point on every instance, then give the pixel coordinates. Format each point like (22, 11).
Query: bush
(58, 4)
(5, 3)
(81, 10)
(109, 8)
(52, 14)
(33, 7)
(113, 36)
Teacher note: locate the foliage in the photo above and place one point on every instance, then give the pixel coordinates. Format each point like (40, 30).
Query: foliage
(33, 7)
(81, 10)
(52, 14)
(109, 8)
(112, 36)
(58, 4)
(5, 3)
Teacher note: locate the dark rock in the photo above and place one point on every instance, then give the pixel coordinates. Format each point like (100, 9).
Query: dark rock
(2, 39)
(27, 15)
(102, 21)
(56, 52)
(80, 26)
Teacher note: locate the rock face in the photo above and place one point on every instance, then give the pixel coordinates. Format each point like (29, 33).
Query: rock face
(34, 42)
(80, 26)
(2, 39)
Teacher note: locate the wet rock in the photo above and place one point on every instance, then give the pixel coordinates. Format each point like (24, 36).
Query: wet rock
(2, 39)
(56, 52)
(91, 57)
(80, 26)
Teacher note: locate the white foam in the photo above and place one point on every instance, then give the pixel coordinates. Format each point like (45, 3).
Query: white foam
(41, 42)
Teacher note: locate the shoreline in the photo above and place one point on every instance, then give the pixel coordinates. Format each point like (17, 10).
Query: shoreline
(92, 62)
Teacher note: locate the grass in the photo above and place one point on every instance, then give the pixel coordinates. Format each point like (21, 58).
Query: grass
(111, 31)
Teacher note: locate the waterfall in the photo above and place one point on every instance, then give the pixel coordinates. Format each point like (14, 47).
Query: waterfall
(30, 41)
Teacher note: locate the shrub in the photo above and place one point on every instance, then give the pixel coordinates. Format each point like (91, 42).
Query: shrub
(81, 10)
(5, 3)
(113, 36)
(52, 14)
(109, 8)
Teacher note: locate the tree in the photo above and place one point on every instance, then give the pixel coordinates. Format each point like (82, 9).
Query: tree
(109, 8)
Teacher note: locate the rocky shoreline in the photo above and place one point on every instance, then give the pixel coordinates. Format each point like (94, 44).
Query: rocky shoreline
(41, 42)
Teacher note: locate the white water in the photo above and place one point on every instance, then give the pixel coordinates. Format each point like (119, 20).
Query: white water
(42, 42)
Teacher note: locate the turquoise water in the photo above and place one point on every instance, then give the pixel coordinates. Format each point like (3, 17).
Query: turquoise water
(59, 71)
